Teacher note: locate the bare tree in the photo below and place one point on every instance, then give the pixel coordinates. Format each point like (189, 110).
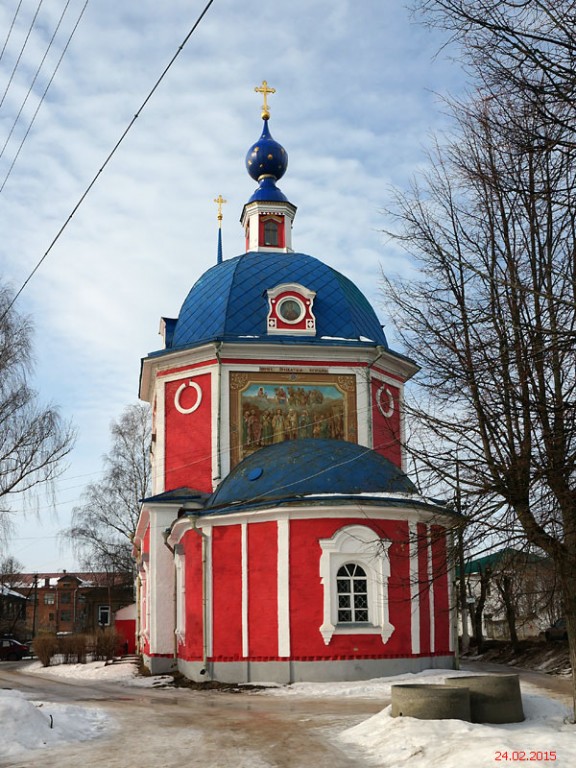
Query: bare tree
(484, 577)
(103, 526)
(10, 571)
(12, 602)
(33, 438)
(526, 48)
(492, 321)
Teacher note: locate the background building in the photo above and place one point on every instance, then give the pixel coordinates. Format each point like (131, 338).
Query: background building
(72, 602)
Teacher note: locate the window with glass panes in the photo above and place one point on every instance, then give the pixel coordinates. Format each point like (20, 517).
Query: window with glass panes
(270, 232)
(352, 588)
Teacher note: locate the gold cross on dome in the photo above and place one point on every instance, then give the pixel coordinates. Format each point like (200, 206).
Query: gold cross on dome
(264, 90)
(220, 200)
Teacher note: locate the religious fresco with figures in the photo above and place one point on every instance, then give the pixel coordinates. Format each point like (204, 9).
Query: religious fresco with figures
(272, 407)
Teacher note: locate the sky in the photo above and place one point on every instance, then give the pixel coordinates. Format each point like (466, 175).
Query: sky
(381, 740)
(359, 94)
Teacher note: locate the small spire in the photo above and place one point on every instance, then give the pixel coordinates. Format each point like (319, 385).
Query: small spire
(220, 201)
(264, 90)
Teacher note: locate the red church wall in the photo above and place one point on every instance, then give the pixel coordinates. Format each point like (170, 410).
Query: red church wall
(306, 592)
(386, 428)
(188, 444)
(441, 590)
(399, 587)
(262, 589)
(227, 600)
(192, 650)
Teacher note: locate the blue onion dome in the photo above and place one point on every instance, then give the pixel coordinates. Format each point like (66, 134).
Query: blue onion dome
(310, 467)
(267, 157)
(229, 303)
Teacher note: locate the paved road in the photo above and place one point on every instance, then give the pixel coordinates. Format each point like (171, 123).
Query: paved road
(172, 728)
(556, 686)
(178, 727)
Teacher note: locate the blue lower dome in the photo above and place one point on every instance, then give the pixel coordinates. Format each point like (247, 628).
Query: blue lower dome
(229, 302)
(309, 467)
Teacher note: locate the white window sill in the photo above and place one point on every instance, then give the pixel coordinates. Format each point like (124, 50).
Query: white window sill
(357, 629)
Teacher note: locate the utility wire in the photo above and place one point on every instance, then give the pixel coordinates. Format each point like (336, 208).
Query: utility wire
(47, 51)
(8, 36)
(109, 157)
(25, 43)
(35, 115)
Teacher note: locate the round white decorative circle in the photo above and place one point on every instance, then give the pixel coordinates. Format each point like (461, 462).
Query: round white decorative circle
(181, 389)
(385, 401)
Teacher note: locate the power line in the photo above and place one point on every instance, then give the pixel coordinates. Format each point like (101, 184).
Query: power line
(24, 44)
(109, 156)
(31, 87)
(8, 36)
(34, 116)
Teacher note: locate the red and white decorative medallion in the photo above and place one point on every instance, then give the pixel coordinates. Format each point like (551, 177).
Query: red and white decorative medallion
(290, 310)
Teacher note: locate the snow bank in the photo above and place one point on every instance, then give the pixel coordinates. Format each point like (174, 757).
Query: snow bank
(29, 725)
(544, 738)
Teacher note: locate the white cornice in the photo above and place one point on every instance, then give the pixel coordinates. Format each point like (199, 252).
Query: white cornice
(356, 510)
(274, 354)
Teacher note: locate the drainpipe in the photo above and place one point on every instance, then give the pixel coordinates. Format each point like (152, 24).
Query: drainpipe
(165, 536)
(204, 538)
(216, 479)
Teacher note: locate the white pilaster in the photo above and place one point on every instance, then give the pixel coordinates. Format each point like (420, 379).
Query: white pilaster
(283, 527)
(431, 589)
(414, 588)
(161, 584)
(244, 558)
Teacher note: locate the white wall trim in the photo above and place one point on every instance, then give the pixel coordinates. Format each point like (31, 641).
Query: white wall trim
(364, 423)
(159, 469)
(209, 614)
(283, 583)
(431, 588)
(414, 588)
(244, 567)
(224, 423)
(161, 578)
(180, 567)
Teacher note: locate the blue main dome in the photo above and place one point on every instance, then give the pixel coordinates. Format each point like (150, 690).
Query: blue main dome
(229, 303)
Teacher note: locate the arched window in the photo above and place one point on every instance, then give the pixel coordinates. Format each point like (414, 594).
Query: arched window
(354, 572)
(270, 232)
(352, 589)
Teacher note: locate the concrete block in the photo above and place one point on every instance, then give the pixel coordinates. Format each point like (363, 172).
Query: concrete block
(431, 702)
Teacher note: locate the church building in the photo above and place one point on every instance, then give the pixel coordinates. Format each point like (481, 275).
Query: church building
(284, 541)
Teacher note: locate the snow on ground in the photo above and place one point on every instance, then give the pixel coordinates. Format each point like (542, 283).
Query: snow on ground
(124, 673)
(543, 739)
(33, 725)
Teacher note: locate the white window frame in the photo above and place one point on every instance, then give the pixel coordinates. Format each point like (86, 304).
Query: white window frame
(356, 544)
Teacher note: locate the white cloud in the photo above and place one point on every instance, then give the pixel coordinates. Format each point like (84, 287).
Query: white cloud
(354, 105)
